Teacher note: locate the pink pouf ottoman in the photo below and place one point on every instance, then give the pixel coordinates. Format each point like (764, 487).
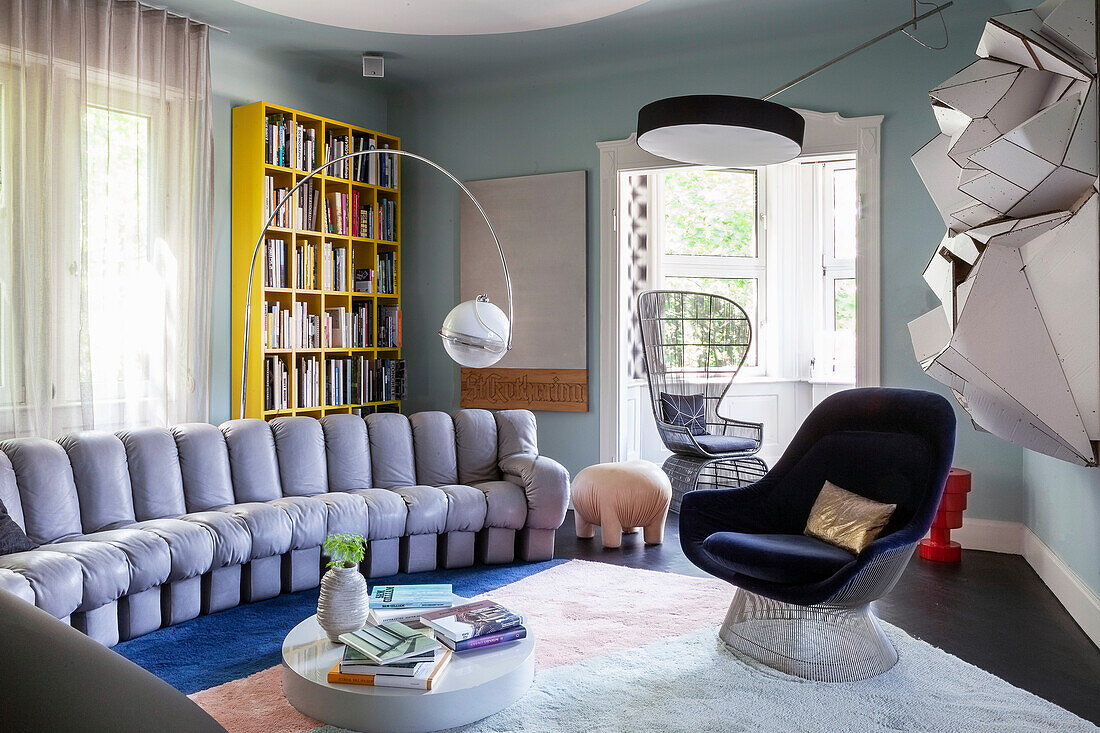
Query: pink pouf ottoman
(621, 497)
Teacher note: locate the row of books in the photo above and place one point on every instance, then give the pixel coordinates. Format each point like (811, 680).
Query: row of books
(273, 197)
(337, 328)
(347, 381)
(288, 144)
(356, 380)
(383, 219)
(389, 327)
(387, 273)
(344, 329)
(292, 145)
(276, 384)
(334, 261)
(275, 263)
(377, 170)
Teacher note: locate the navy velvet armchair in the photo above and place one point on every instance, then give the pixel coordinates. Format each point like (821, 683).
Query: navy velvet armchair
(804, 606)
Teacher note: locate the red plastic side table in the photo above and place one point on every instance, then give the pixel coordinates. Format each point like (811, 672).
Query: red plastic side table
(939, 547)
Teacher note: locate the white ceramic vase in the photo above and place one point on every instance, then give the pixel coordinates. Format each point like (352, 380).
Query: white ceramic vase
(344, 602)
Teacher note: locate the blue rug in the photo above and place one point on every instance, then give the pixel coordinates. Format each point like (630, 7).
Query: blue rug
(215, 649)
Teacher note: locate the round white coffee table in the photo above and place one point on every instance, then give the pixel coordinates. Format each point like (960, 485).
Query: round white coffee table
(475, 685)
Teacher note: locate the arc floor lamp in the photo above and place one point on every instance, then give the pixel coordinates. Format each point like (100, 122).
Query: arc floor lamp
(476, 333)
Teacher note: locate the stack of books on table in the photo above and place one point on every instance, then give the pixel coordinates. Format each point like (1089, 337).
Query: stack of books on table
(390, 655)
(475, 625)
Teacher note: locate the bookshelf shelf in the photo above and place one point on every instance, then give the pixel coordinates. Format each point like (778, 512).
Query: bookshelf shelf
(312, 340)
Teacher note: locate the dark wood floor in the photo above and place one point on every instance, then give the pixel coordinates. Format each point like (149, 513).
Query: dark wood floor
(991, 610)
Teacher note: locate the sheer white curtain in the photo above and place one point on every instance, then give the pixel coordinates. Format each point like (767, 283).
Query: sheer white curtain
(105, 216)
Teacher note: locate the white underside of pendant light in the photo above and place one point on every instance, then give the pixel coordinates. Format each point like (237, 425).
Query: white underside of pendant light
(445, 17)
(721, 145)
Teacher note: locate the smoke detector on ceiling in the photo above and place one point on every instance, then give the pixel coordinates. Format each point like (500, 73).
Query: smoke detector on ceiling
(373, 66)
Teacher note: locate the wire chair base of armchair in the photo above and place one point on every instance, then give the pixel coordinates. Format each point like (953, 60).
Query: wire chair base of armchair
(821, 643)
(688, 473)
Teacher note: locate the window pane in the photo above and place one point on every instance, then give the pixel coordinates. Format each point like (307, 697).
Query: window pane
(845, 213)
(710, 213)
(742, 290)
(118, 267)
(844, 304)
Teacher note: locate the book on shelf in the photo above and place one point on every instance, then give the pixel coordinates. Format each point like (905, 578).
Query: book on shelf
(364, 280)
(486, 640)
(425, 595)
(309, 382)
(305, 263)
(355, 662)
(471, 620)
(390, 642)
(416, 682)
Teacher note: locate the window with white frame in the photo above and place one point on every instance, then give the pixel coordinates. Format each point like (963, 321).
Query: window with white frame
(796, 282)
(707, 227)
(836, 216)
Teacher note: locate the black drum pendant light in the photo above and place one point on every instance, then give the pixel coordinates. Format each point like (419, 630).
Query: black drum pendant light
(712, 129)
(727, 131)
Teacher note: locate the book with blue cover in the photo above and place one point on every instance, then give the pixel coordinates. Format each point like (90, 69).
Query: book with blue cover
(411, 596)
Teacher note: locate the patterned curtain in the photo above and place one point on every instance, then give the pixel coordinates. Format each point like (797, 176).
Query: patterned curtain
(637, 235)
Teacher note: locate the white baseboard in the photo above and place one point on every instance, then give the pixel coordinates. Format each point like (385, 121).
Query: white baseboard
(1015, 538)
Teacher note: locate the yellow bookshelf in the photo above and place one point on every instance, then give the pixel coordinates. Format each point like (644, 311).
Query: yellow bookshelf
(253, 177)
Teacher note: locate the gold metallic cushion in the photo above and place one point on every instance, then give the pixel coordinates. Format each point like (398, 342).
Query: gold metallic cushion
(847, 520)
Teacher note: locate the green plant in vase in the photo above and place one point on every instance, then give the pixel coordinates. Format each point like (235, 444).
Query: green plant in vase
(344, 550)
(344, 602)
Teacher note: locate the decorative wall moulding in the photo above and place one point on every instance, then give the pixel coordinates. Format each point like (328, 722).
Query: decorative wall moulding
(1013, 174)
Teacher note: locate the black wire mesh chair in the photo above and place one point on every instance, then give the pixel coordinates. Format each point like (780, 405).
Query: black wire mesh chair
(694, 344)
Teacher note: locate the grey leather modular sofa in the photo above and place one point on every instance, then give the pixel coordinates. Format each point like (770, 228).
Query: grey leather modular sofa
(151, 527)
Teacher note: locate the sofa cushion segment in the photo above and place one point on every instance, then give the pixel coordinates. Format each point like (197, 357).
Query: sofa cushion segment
(391, 450)
(98, 461)
(308, 520)
(9, 492)
(347, 451)
(386, 512)
(300, 450)
(475, 446)
(506, 504)
(427, 509)
(466, 508)
(347, 513)
(17, 585)
(434, 448)
(47, 492)
(267, 524)
(252, 461)
(147, 555)
(517, 432)
(56, 579)
(545, 482)
(204, 466)
(190, 545)
(232, 542)
(104, 568)
(155, 477)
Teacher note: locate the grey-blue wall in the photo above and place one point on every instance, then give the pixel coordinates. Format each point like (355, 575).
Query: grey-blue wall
(1061, 504)
(547, 126)
(242, 76)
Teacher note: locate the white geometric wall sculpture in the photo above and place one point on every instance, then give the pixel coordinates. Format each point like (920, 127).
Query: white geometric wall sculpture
(1014, 173)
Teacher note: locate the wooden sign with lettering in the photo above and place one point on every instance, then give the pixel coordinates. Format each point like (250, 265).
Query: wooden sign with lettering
(563, 390)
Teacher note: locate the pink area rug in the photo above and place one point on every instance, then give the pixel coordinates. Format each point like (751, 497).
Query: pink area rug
(572, 609)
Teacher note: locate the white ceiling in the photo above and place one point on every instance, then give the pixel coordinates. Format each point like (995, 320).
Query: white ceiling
(446, 17)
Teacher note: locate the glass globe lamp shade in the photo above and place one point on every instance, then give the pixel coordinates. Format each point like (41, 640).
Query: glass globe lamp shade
(475, 333)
